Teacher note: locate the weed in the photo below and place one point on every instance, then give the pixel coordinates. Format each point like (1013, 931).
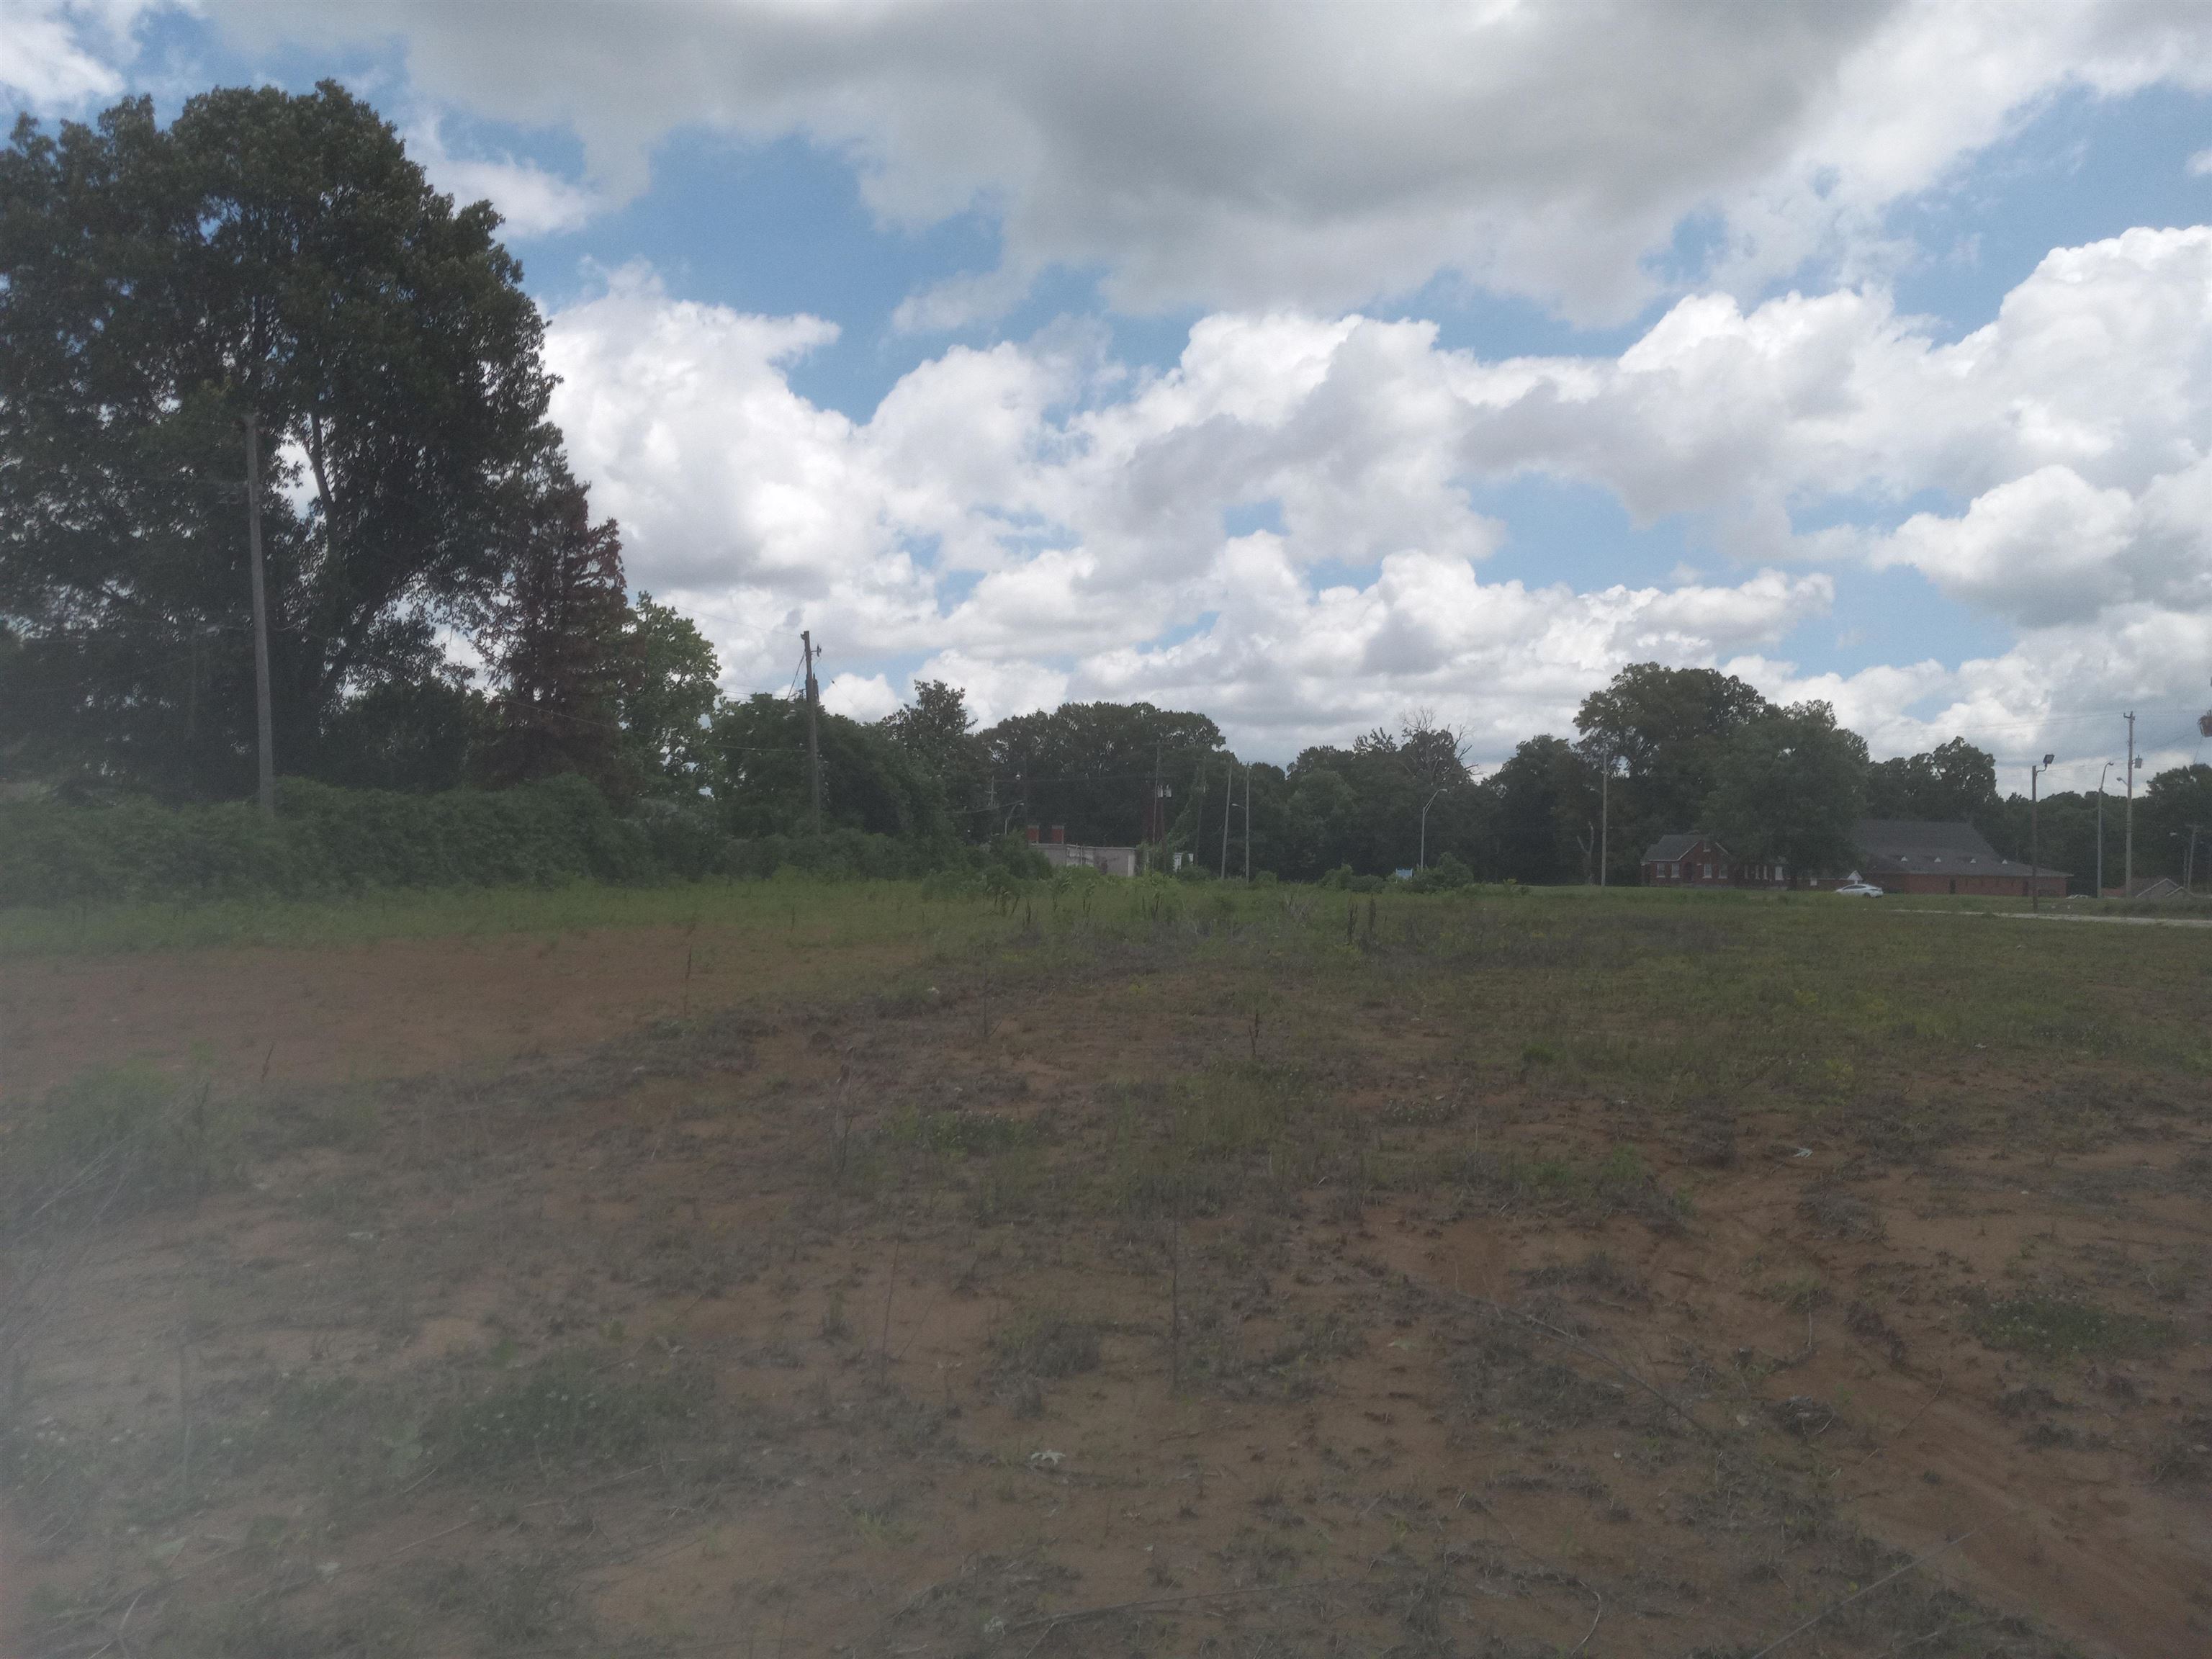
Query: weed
(1834, 1213)
(1597, 1271)
(2054, 1327)
(126, 1137)
(563, 1408)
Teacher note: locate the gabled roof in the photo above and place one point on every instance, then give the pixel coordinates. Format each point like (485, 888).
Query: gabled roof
(1668, 848)
(1911, 847)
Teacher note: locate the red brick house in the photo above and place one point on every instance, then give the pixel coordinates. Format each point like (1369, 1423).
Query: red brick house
(1701, 861)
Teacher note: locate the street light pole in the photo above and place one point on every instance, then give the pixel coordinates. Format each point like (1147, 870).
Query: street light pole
(2035, 838)
(1422, 863)
(2101, 776)
(2128, 864)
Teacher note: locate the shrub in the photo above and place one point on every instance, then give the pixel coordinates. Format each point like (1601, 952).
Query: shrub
(326, 840)
(128, 1136)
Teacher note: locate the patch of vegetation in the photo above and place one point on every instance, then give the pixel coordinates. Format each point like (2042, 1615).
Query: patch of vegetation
(1037, 1346)
(2054, 1327)
(1621, 1184)
(116, 1139)
(1597, 1271)
(564, 1408)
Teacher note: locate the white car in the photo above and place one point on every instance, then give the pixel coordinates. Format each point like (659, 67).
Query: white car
(1858, 889)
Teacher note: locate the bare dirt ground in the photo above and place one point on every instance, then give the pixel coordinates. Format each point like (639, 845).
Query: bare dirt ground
(396, 1007)
(1198, 1289)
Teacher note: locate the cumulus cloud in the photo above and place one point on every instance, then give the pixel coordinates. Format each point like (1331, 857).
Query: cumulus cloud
(859, 697)
(1037, 522)
(531, 202)
(1254, 156)
(59, 55)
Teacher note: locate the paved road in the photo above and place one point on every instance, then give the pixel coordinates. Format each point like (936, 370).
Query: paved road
(2123, 921)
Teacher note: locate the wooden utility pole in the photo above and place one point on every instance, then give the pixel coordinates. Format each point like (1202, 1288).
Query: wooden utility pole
(2128, 862)
(263, 725)
(813, 728)
(1228, 804)
(1604, 817)
(1248, 826)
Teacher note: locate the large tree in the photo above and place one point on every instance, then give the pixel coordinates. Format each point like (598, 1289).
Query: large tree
(558, 632)
(2173, 804)
(1543, 818)
(1664, 731)
(1090, 767)
(1790, 785)
(938, 732)
(668, 698)
(265, 256)
(1953, 782)
(869, 782)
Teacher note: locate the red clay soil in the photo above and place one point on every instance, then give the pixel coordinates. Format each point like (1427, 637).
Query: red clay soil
(397, 1008)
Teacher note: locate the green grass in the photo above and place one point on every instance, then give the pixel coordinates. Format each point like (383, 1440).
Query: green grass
(823, 912)
(568, 1407)
(2053, 1327)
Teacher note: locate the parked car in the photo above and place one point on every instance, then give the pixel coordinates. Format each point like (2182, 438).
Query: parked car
(1859, 889)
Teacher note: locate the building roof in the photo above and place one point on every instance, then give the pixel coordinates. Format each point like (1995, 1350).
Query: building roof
(1668, 849)
(1909, 847)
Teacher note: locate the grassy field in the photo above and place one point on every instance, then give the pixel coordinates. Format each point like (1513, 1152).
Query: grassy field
(785, 1268)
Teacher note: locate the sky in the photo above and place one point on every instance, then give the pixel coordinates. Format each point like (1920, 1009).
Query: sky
(1315, 365)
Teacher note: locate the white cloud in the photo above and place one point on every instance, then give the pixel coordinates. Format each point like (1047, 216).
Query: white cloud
(1254, 156)
(1038, 523)
(531, 202)
(2200, 164)
(62, 56)
(859, 697)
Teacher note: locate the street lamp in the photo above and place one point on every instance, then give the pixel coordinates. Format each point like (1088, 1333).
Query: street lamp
(2034, 837)
(1422, 863)
(2101, 776)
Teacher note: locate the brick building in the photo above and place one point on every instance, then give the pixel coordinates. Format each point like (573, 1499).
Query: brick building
(1701, 861)
(1905, 856)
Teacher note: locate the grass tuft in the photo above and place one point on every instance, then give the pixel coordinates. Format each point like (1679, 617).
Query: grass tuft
(2053, 1327)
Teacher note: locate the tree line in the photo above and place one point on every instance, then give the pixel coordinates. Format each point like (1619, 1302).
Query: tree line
(279, 258)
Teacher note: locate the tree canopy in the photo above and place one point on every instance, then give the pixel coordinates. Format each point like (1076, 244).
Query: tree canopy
(1088, 766)
(1665, 730)
(1789, 786)
(278, 257)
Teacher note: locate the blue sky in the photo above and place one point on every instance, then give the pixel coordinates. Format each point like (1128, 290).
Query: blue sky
(1003, 467)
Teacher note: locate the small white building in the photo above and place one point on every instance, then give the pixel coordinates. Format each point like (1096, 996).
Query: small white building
(1065, 855)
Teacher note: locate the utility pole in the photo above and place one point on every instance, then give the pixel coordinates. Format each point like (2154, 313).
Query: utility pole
(1228, 804)
(813, 727)
(1423, 862)
(2128, 864)
(263, 723)
(2034, 838)
(1249, 826)
(1604, 816)
(1198, 802)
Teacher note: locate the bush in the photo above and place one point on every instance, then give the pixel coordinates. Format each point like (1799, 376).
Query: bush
(128, 1137)
(326, 840)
